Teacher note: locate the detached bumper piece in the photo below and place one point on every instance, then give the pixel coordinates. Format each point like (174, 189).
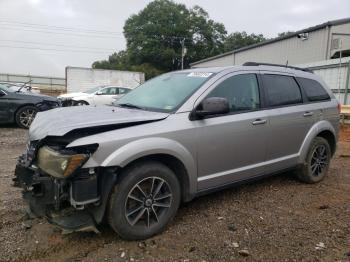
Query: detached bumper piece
(67, 203)
(73, 221)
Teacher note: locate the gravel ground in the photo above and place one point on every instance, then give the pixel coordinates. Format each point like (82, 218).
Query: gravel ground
(275, 219)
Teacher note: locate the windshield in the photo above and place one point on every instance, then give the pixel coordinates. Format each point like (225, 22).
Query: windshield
(165, 93)
(6, 89)
(93, 90)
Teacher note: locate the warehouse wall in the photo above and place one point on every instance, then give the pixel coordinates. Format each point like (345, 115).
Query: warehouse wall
(80, 79)
(341, 32)
(226, 60)
(317, 47)
(295, 50)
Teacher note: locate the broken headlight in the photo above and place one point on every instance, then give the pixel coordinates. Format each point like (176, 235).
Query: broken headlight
(57, 164)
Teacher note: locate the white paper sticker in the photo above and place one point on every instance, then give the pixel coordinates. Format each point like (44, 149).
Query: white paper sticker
(199, 74)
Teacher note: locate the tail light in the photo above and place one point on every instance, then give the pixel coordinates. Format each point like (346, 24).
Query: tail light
(339, 108)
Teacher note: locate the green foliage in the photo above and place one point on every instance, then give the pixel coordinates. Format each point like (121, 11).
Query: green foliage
(154, 38)
(117, 61)
(149, 70)
(154, 35)
(241, 39)
(285, 33)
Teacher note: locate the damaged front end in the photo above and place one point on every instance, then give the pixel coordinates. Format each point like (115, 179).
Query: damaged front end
(57, 187)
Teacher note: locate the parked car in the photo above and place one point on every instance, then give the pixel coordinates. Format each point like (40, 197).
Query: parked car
(19, 105)
(178, 136)
(101, 95)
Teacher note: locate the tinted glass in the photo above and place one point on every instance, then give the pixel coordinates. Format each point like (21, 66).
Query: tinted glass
(241, 91)
(313, 90)
(281, 90)
(166, 92)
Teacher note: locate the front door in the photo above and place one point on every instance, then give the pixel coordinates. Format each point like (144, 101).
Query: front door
(4, 107)
(106, 96)
(232, 147)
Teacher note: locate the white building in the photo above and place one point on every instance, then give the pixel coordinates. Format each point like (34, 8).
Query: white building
(318, 48)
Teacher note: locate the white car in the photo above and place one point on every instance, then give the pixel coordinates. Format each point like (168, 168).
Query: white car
(101, 95)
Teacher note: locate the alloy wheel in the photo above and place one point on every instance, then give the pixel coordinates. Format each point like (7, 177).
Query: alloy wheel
(319, 160)
(148, 201)
(27, 116)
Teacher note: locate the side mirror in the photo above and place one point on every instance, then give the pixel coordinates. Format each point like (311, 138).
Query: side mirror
(2, 93)
(99, 93)
(212, 106)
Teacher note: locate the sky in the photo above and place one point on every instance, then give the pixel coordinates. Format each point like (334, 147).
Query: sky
(42, 37)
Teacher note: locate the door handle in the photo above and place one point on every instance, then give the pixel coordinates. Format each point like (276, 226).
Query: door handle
(308, 114)
(259, 122)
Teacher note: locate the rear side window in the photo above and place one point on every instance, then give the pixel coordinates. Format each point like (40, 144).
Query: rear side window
(313, 90)
(281, 90)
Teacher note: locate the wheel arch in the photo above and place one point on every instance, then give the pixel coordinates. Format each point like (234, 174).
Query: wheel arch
(19, 107)
(323, 129)
(330, 137)
(175, 165)
(168, 152)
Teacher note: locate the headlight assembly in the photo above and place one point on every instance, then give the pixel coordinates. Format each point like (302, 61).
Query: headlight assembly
(57, 164)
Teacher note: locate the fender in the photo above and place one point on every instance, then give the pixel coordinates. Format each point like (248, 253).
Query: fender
(154, 145)
(313, 132)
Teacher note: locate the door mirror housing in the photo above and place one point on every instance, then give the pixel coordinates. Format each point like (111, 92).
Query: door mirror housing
(2, 93)
(99, 93)
(211, 106)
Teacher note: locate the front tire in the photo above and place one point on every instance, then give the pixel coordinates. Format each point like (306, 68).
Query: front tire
(317, 162)
(145, 200)
(81, 103)
(25, 116)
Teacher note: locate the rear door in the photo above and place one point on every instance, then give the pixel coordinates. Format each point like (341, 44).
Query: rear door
(232, 147)
(289, 119)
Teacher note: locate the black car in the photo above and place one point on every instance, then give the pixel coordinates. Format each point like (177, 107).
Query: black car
(20, 105)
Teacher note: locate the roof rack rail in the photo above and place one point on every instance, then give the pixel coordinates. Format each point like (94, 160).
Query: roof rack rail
(285, 66)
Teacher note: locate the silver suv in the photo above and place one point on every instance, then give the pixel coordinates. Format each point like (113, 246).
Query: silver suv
(173, 138)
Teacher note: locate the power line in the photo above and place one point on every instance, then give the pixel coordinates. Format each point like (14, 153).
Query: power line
(49, 27)
(59, 33)
(52, 49)
(38, 43)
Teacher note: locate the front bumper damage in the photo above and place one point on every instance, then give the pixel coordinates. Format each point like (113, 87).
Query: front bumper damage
(74, 204)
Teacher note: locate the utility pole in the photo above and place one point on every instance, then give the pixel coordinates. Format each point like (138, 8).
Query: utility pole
(183, 52)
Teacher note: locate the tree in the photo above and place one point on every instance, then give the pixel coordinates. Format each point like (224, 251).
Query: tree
(241, 39)
(285, 33)
(117, 61)
(154, 35)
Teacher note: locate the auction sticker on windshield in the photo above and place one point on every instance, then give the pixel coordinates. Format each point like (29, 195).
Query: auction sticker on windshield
(200, 74)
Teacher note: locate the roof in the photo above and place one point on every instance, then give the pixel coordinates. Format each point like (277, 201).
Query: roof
(306, 30)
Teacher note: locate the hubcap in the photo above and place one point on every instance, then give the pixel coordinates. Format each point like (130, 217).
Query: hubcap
(147, 202)
(319, 160)
(26, 117)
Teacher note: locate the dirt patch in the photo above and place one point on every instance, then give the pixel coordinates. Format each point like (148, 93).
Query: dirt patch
(275, 219)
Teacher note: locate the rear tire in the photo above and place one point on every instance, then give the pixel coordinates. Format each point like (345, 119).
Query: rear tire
(317, 162)
(25, 116)
(145, 200)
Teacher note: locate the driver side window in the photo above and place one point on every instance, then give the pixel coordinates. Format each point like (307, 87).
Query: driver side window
(107, 91)
(241, 91)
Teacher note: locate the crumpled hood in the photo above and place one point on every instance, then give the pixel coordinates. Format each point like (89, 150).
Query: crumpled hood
(60, 121)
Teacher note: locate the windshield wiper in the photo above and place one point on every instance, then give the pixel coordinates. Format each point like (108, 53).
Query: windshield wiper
(128, 105)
